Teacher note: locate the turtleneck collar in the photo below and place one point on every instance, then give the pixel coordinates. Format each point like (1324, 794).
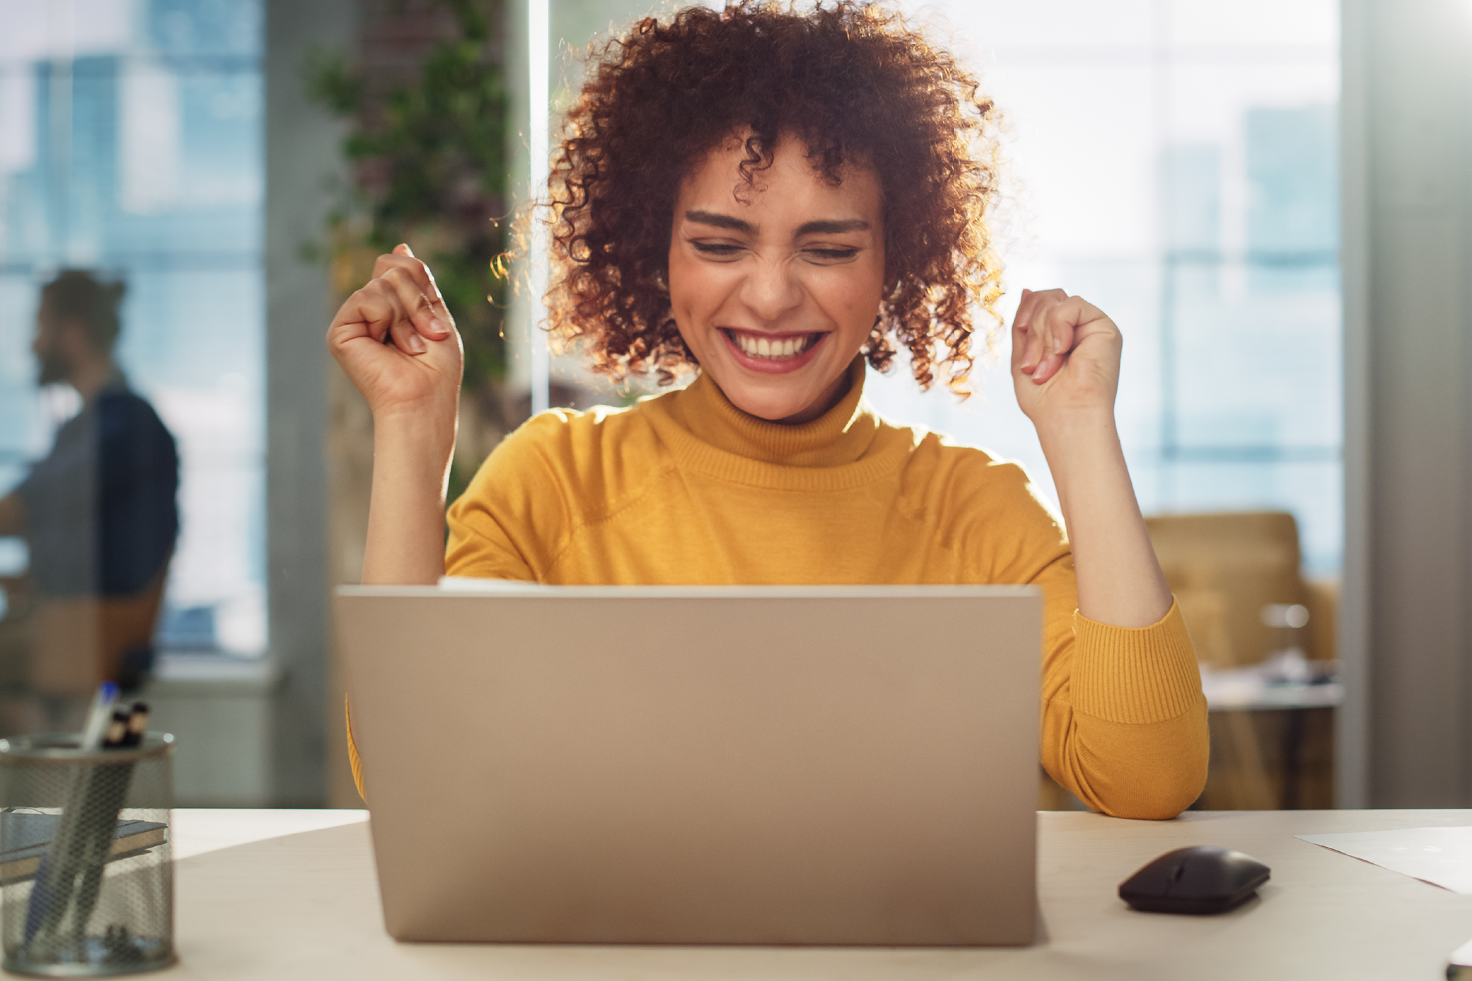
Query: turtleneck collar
(847, 446)
(841, 435)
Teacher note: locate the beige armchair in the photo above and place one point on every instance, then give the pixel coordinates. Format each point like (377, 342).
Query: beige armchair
(1224, 567)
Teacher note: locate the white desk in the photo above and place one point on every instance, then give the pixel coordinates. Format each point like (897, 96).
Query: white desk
(283, 895)
(1252, 688)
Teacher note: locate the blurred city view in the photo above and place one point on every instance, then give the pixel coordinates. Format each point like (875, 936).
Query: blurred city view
(131, 143)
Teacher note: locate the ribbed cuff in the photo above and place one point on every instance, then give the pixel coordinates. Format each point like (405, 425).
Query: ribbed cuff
(1135, 675)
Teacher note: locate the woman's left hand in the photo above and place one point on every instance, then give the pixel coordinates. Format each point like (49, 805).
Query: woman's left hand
(1065, 367)
(1065, 357)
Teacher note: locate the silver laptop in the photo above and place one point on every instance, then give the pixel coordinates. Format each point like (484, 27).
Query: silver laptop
(690, 765)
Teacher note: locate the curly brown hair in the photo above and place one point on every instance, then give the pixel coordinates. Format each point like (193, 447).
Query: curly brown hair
(854, 83)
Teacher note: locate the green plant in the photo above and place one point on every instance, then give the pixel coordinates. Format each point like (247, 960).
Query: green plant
(430, 170)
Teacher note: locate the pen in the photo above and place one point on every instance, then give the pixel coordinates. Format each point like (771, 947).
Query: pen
(126, 731)
(99, 715)
(137, 725)
(106, 801)
(77, 831)
(117, 729)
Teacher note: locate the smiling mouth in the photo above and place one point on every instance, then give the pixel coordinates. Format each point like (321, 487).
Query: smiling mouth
(768, 348)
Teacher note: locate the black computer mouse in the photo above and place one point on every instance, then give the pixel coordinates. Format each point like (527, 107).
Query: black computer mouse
(1200, 879)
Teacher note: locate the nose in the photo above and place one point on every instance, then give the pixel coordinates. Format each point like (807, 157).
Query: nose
(771, 289)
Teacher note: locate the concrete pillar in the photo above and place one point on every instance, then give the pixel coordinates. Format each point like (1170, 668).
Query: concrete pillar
(302, 161)
(1408, 258)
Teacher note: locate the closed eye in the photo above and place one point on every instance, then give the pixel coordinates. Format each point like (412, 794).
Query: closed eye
(832, 255)
(716, 248)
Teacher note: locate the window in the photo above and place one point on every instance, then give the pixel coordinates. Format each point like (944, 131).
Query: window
(1174, 162)
(131, 144)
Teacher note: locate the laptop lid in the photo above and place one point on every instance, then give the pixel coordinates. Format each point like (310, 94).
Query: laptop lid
(752, 765)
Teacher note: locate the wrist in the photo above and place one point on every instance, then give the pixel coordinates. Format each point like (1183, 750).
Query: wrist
(1077, 430)
(1084, 456)
(412, 453)
(416, 430)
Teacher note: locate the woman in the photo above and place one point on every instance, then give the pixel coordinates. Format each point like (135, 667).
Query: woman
(778, 199)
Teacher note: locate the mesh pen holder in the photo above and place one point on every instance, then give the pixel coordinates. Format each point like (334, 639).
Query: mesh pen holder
(86, 878)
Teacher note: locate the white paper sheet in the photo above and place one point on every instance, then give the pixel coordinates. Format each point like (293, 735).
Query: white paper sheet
(1440, 856)
(1461, 958)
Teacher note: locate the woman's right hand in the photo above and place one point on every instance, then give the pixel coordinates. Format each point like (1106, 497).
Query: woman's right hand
(397, 342)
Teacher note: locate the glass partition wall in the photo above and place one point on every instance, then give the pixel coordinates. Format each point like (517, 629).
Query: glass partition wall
(1172, 161)
(131, 148)
(1175, 162)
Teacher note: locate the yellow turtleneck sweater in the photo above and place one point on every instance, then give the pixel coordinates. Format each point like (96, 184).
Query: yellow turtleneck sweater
(684, 488)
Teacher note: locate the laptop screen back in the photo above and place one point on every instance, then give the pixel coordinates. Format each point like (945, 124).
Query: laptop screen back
(803, 765)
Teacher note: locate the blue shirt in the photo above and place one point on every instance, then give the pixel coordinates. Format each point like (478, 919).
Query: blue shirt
(101, 516)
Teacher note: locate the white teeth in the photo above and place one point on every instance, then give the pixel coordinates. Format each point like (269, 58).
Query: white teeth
(769, 349)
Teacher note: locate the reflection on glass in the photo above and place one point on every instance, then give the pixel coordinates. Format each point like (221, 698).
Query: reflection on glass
(131, 144)
(97, 513)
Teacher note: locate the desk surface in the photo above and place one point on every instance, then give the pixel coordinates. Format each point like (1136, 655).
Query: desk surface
(292, 894)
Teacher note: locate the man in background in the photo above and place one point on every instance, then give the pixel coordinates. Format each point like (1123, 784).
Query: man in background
(98, 513)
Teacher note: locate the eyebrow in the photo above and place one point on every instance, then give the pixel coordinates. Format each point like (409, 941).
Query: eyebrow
(718, 220)
(830, 227)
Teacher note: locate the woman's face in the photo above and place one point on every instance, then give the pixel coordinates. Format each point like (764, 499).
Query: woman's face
(775, 287)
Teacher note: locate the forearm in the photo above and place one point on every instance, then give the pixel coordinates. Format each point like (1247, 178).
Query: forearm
(12, 515)
(1119, 579)
(406, 516)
